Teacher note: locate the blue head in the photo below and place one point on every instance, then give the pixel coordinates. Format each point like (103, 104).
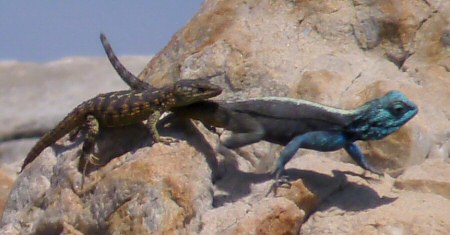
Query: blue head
(381, 117)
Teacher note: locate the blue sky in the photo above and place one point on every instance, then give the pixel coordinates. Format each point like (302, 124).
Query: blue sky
(40, 31)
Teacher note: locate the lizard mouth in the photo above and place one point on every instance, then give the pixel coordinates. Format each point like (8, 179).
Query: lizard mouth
(215, 92)
(210, 91)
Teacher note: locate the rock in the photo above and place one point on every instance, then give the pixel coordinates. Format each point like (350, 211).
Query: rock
(432, 176)
(300, 195)
(314, 85)
(339, 53)
(155, 185)
(445, 38)
(271, 216)
(408, 213)
(12, 154)
(6, 184)
(367, 32)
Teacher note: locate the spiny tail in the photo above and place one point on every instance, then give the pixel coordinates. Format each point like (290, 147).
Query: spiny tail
(132, 81)
(72, 120)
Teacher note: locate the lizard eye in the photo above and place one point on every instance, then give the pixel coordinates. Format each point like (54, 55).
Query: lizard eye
(398, 109)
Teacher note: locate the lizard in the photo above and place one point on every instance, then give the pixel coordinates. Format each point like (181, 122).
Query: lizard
(294, 123)
(126, 107)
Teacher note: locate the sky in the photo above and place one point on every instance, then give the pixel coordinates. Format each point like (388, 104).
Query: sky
(42, 31)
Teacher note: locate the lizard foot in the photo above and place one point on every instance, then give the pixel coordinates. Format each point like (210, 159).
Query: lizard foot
(376, 172)
(372, 179)
(369, 168)
(166, 140)
(281, 181)
(94, 160)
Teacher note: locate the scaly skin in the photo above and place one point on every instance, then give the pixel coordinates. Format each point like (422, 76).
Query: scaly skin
(297, 123)
(302, 124)
(137, 84)
(121, 108)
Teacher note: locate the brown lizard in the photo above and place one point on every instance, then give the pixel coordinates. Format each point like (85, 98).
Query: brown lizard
(122, 108)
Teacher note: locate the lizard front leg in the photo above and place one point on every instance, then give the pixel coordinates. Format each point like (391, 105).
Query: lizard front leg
(323, 141)
(151, 125)
(316, 140)
(357, 156)
(92, 126)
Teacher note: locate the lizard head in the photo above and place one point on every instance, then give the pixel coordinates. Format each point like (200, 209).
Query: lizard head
(189, 91)
(380, 117)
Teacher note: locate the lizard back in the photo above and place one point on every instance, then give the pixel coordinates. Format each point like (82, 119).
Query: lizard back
(285, 118)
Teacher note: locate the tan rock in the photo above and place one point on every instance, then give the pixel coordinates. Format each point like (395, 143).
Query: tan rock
(271, 217)
(408, 213)
(300, 195)
(12, 154)
(6, 184)
(314, 85)
(268, 216)
(162, 185)
(432, 176)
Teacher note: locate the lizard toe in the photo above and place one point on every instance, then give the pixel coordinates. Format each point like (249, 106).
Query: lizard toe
(282, 182)
(94, 160)
(167, 140)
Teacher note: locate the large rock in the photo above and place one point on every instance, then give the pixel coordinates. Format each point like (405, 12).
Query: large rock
(340, 53)
(5, 186)
(149, 192)
(420, 207)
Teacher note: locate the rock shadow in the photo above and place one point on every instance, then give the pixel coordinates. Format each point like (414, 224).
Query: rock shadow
(332, 191)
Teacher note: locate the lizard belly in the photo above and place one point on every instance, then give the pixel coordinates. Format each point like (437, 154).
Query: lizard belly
(282, 131)
(122, 119)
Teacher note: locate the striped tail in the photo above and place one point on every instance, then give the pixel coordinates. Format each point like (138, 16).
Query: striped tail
(72, 120)
(132, 81)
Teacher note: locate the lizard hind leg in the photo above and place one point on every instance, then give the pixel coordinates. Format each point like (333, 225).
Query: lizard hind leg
(245, 132)
(92, 127)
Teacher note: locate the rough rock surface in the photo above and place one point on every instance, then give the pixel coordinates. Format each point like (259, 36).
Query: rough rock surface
(340, 53)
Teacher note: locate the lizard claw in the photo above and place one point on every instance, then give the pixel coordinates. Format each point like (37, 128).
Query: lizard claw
(281, 181)
(372, 170)
(166, 140)
(93, 160)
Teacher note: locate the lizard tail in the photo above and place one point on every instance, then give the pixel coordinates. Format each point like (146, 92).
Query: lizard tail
(130, 79)
(72, 120)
